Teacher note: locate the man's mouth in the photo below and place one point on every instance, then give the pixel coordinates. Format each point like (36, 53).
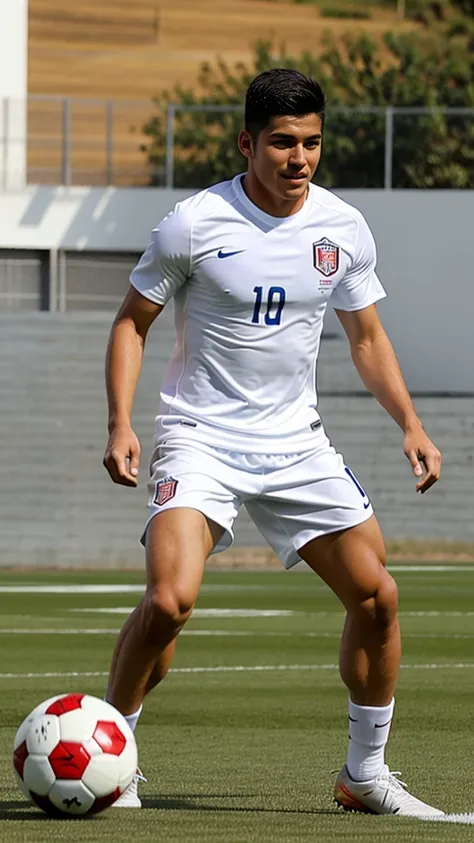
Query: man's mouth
(294, 176)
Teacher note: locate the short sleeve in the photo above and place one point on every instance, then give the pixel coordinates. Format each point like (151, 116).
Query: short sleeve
(360, 286)
(166, 262)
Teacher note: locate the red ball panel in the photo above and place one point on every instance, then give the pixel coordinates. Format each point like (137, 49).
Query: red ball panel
(69, 760)
(103, 802)
(109, 737)
(68, 703)
(19, 757)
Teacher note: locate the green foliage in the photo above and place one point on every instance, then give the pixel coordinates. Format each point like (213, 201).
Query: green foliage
(429, 151)
(464, 6)
(344, 12)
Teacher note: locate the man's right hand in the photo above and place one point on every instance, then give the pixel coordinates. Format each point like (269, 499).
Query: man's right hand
(122, 456)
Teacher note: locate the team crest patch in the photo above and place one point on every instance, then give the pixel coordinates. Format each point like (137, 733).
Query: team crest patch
(326, 257)
(165, 490)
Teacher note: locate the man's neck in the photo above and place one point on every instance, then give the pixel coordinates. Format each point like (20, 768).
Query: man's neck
(268, 202)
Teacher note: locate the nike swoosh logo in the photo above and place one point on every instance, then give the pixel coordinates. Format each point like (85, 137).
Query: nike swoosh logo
(366, 505)
(381, 725)
(222, 254)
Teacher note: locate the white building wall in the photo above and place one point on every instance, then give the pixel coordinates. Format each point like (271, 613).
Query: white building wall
(13, 93)
(424, 241)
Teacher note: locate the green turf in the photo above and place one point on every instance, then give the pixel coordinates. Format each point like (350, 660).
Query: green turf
(246, 756)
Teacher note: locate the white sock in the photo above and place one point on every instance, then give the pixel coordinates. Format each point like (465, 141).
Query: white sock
(369, 728)
(132, 719)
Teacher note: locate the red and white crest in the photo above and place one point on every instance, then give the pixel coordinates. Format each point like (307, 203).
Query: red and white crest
(326, 257)
(165, 490)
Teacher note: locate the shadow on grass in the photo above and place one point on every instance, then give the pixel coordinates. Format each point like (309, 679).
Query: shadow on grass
(186, 803)
(20, 809)
(23, 810)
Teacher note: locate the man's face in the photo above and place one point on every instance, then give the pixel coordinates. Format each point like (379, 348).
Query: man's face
(285, 155)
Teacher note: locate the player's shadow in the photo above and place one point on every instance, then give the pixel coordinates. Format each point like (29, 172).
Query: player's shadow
(17, 809)
(191, 802)
(22, 810)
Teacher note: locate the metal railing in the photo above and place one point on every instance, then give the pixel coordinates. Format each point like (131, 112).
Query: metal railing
(72, 141)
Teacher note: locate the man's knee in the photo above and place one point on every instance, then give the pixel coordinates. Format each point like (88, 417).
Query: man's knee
(166, 609)
(386, 601)
(379, 609)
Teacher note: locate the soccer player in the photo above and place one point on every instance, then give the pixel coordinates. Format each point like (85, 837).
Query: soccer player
(251, 264)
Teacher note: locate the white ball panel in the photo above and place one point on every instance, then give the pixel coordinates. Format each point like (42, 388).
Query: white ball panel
(102, 774)
(43, 734)
(21, 784)
(38, 774)
(73, 797)
(24, 728)
(128, 763)
(22, 733)
(76, 726)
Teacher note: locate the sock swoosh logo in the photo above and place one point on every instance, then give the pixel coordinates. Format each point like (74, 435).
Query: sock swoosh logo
(381, 725)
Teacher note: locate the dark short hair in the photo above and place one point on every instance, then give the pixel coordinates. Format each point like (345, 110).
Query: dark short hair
(278, 93)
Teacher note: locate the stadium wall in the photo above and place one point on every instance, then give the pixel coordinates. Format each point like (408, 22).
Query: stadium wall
(423, 241)
(59, 509)
(57, 505)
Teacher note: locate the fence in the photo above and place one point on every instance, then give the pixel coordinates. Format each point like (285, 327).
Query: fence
(74, 141)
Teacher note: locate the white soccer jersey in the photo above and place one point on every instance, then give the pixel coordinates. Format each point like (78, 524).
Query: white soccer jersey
(250, 293)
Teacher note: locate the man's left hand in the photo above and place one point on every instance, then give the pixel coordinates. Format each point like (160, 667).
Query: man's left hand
(424, 458)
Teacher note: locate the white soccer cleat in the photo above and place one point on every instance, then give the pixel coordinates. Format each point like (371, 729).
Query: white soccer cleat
(383, 795)
(130, 797)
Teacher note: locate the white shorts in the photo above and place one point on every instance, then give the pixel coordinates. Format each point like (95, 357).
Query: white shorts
(291, 498)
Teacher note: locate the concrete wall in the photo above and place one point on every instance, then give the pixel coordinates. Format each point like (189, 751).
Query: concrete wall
(13, 91)
(58, 507)
(424, 244)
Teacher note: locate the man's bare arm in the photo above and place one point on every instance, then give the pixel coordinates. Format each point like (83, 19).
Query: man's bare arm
(378, 367)
(122, 370)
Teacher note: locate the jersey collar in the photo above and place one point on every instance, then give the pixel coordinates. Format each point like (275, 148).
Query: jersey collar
(269, 220)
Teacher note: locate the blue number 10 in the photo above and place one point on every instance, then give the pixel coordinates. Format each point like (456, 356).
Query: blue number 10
(270, 318)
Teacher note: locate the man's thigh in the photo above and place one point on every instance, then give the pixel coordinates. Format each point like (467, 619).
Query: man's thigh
(178, 543)
(351, 562)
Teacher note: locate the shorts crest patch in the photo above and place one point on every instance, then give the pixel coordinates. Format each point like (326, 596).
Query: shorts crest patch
(326, 257)
(165, 490)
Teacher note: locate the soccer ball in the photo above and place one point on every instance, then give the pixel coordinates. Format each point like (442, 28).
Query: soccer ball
(74, 755)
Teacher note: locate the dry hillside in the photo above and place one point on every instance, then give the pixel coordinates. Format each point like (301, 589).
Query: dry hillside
(131, 49)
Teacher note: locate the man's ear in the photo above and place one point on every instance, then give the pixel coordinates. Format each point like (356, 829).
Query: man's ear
(246, 144)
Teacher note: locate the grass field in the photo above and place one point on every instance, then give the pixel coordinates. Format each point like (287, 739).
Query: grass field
(240, 742)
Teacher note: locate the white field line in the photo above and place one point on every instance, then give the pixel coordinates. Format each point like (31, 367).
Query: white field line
(461, 819)
(205, 613)
(238, 669)
(138, 589)
(71, 589)
(269, 613)
(226, 633)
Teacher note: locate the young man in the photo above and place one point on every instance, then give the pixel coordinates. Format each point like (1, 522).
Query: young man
(251, 264)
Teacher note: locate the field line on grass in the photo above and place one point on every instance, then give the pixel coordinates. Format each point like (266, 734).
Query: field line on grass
(202, 613)
(124, 588)
(268, 613)
(461, 819)
(228, 633)
(259, 668)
